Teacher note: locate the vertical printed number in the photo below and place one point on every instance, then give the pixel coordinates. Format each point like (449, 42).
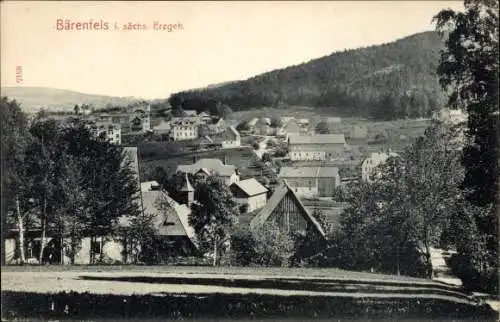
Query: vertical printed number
(19, 74)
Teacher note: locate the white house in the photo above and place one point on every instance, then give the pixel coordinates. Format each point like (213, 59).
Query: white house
(249, 192)
(373, 161)
(231, 138)
(318, 147)
(109, 131)
(184, 129)
(212, 167)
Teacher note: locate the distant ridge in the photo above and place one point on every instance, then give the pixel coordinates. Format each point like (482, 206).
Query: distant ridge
(32, 99)
(392, 80)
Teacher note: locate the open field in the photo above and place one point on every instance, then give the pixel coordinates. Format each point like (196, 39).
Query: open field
(227, 292)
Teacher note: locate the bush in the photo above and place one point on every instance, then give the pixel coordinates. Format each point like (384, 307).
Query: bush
(255, 145)
(242, 248)
(273, 247)
(281, 152)
(472, 278)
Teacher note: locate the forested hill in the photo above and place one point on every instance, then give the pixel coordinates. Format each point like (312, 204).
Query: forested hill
(388, 81)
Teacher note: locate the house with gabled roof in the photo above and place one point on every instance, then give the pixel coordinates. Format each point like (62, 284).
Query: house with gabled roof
(211, 167)
(231, 138)
(285, 209)
(249, 194)
(171, 220)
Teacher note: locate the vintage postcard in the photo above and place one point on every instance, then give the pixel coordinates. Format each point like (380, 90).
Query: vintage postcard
(260, 160)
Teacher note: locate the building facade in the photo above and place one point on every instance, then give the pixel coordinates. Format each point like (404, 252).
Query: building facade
(285, 209)
(109, 131)
(184, 129)
(319, 147)
(213, 127)
(231, 138)
(311, 181)
(250, 194)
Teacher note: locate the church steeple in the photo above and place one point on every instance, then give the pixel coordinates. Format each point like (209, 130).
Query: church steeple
(187, 191)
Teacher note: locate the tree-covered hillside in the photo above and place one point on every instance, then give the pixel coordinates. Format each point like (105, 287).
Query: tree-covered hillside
(388, 81)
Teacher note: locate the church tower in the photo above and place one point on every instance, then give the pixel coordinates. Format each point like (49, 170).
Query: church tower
(187, 191)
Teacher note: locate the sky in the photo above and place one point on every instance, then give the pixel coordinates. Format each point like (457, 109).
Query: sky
(214, 41)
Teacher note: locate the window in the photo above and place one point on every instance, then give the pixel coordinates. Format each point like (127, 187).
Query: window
(168, 223)
(96, 246)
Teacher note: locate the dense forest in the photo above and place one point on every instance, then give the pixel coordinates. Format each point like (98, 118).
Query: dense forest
(389, 81)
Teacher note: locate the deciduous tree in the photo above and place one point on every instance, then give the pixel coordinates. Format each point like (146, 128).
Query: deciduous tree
(213, 215)
(468, 70)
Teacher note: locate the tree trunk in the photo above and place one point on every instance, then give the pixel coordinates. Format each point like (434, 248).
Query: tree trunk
(398, 271)
(230, 257)
(20, 226)
(430, 270)
(44, 224)
(215, 253)
(61, 249)
(91, 250)
(101, 253)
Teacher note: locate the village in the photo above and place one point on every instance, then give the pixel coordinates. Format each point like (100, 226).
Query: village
(288, 170)
(281, 161)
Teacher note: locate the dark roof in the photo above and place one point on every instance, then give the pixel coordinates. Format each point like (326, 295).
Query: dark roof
(278, 195)
(170, 217)
(215, 165)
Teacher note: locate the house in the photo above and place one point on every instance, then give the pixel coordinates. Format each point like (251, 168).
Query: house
(311, 181)
(332, 120)
(369, 165)
(303, 123)
(136, 118)
(189, 113)
(253, 122)
(316, 147)
(231, 138)
(286, 119)
(286, 210)
(213, 127)
(171, 219)
(452, 116)
(184, 129)
(204, 117)
(109, 131)
(208, 167)
(250, 194)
